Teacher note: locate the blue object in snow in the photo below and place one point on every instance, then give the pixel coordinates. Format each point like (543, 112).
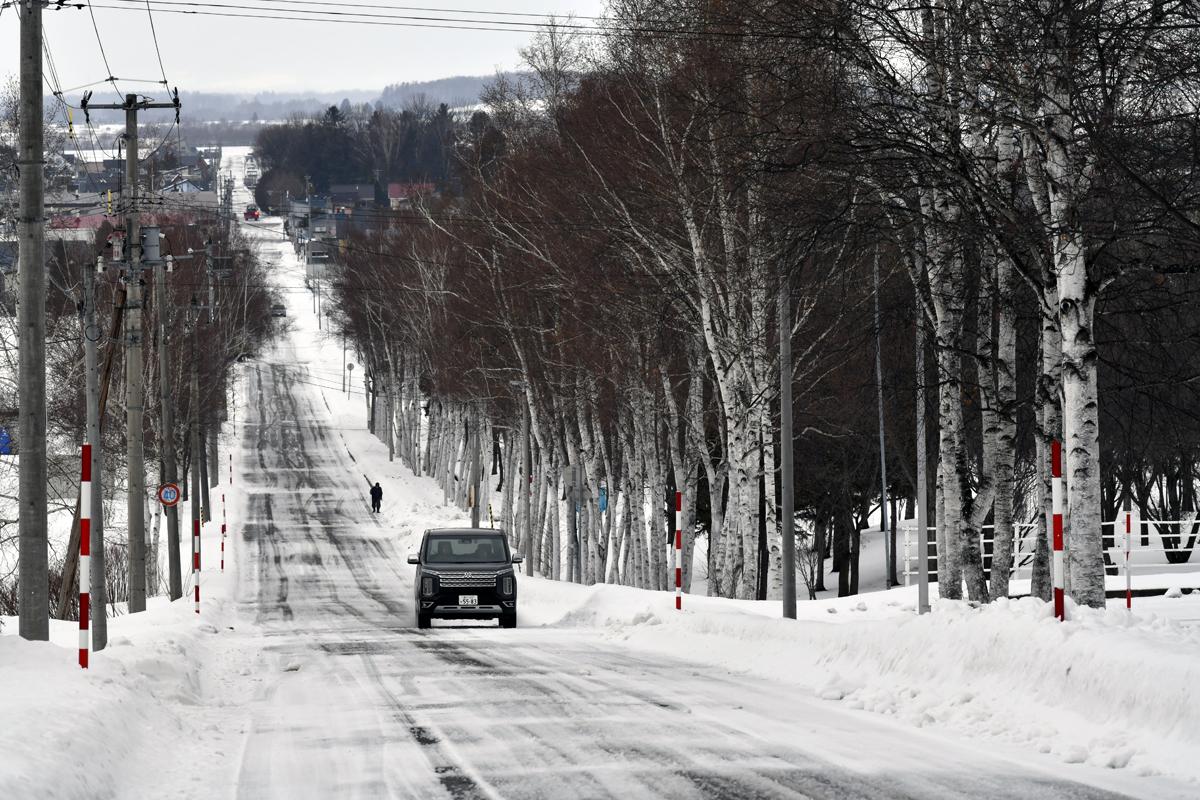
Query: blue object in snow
(5, 442)
(603, 499)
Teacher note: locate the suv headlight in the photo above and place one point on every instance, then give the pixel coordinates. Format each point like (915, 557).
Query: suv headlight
(427, 585)
(506, 585)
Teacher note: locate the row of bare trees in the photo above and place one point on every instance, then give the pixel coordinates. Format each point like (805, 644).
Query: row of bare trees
(602, 291)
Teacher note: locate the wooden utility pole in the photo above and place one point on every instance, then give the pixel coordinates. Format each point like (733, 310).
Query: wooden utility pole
(34, 579)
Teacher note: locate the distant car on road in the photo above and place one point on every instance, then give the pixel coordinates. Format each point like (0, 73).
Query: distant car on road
(465, 573)
(252, 213)
(279, 310)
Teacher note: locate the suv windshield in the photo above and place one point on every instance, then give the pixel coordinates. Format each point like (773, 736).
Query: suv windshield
(465, 548)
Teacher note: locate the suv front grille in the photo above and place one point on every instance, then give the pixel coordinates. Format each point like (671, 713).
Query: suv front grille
(467, 580)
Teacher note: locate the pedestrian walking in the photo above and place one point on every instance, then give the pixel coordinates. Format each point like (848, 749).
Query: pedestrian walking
(376, 498)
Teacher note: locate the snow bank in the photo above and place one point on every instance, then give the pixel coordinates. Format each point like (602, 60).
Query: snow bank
(68, 733)
(135, 717)
(1107, 688)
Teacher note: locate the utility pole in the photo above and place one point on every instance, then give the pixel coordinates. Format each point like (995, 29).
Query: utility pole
(476, 467)
(787, 557)
(889, 571)
(390, 434)
(134, 390)
(34, 578)
(572, 528)
(134, 386)
(922, 483)
(166, 445)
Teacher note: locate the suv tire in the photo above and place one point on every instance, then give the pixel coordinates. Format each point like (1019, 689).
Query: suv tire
(508, 621)
(424, 620)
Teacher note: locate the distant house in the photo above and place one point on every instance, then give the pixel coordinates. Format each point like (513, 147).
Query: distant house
(182, 185)
(352, 195)
(403, 195)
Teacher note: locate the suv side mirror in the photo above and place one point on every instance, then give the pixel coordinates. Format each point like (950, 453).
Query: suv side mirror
(413, 558)
(517, 558)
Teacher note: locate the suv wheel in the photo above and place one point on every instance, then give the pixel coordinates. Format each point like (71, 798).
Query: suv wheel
(508, 620)
(423, 620)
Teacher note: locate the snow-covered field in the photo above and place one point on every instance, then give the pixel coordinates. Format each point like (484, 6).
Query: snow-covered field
(303, 677)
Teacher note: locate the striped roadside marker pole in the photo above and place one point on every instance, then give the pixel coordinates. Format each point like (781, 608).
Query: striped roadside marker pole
(196, 561)
(223, 522)
(1056, 507)
(85, 553)
(678, 551)
(1128, 546)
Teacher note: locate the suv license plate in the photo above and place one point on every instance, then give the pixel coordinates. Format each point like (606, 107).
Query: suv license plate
(468, 599)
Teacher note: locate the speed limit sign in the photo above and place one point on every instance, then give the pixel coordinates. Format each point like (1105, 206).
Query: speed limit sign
(168, 494)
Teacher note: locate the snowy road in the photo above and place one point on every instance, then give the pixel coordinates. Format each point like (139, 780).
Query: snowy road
(368, 706)
(348, 699)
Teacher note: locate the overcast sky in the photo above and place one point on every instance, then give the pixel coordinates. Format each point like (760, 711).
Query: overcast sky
(206, 53)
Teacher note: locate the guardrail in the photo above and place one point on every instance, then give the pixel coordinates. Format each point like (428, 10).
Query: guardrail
(1147, 551)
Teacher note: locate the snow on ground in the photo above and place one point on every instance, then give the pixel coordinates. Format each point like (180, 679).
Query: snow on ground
(1107, 694)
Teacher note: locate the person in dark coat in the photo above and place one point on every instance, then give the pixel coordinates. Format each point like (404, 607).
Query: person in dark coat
(376, 498)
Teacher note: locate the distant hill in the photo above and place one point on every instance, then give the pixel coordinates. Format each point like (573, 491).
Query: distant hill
(461, 90)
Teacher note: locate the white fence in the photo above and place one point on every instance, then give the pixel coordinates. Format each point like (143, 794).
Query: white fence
(1151, 543)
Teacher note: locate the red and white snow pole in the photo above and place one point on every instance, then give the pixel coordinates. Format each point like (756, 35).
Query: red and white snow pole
(679, 551)
(223, 522)
(1128, 546)
(85, 553)
(1056, 507)
(196, 560)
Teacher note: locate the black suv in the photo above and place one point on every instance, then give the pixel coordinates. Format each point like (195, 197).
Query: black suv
(465, 573)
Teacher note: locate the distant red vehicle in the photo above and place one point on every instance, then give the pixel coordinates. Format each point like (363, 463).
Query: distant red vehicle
(251, 213)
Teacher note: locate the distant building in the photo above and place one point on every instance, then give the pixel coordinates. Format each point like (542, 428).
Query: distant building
(403, 195)
(352, 195)
(181, 185)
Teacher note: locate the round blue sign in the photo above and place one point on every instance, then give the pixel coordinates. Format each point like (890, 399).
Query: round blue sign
(168, 494)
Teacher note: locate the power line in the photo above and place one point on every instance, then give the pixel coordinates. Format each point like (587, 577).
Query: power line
(614, 26)
(157, 51)
(103, 54)
(661, 29)
(438, 10)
